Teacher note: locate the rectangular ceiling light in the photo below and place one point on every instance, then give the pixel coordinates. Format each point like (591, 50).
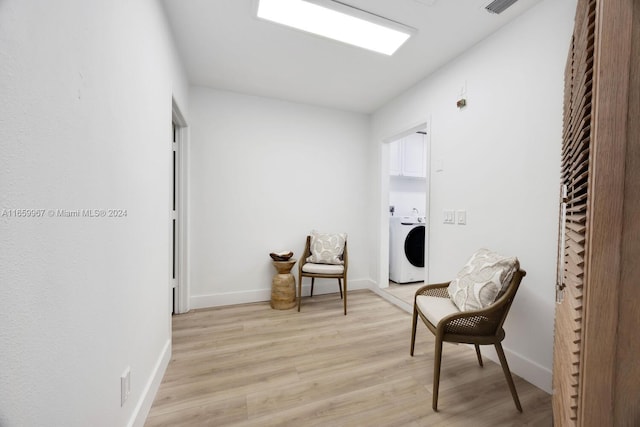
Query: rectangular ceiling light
(337, 21)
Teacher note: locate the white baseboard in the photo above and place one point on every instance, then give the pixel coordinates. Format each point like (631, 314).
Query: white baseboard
(322, 286)
(534, 373)
(229, 298)
(143, 406)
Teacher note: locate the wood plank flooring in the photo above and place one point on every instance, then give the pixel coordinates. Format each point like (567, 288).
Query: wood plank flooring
(403, 292)
(250, 365)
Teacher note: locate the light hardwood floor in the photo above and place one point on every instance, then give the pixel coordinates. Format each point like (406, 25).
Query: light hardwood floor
(250, 365)
(403, 292)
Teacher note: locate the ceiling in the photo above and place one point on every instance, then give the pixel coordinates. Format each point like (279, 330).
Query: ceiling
(225, 46)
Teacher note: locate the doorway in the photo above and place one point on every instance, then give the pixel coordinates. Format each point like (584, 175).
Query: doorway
(178, 278)
(404, 230)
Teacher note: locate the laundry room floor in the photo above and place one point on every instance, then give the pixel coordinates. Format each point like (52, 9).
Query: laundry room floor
(404, 292)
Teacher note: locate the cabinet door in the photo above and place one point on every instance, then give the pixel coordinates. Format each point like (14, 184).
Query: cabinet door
(395, 158)
(574, 242)
(414, 159)
(596, 347)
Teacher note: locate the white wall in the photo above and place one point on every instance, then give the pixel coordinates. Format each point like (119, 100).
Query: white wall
(498, 158)
(405, 194)
(85, 123)
(263, 174)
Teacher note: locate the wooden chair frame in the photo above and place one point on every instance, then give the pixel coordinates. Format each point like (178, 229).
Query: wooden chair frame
(342, 278)
(477, 327)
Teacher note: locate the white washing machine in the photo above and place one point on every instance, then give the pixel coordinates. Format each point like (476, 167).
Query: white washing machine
(406, 249)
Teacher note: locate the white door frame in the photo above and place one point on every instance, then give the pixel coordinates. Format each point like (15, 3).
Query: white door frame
(383, 279)
(181, 304)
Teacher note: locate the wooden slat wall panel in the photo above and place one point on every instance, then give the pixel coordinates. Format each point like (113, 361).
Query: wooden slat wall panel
(604, 259)
(575, 173)
(627, 403)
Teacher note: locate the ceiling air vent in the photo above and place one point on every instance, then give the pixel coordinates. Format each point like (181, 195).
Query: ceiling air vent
(499, 6)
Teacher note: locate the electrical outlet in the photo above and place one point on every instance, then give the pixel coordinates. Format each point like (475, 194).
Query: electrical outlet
(125, 385)
(449, 217)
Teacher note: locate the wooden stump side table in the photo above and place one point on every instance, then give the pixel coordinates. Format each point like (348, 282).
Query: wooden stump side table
(283, 286)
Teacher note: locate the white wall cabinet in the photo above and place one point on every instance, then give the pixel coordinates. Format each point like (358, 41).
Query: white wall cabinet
(395, 158)
(408, 156)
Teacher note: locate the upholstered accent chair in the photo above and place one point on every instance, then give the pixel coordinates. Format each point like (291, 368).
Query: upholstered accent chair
(325, 257)
(446, 310)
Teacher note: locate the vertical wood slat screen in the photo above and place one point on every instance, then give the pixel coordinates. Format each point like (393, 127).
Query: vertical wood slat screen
(575, 172)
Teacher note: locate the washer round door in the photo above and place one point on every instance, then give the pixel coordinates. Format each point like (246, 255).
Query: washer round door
(414, 246)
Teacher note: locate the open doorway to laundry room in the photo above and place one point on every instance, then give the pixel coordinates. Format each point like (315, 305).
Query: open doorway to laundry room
(405, 169)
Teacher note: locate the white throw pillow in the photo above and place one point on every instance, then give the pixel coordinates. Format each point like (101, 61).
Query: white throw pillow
(480, 281)
(327, 248)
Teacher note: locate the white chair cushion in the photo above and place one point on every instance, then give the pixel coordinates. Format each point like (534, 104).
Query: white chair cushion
(484, 276)
(435, 308)
(327, 248)
(323, 268)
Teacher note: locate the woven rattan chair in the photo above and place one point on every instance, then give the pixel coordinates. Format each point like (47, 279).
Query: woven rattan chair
(323, 271)
(478, 327)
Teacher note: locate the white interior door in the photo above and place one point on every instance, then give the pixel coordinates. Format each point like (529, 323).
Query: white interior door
(178, 272)
(174, 219)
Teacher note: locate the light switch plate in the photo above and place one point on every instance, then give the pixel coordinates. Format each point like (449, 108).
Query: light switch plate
(462, 217)
(125, 385)
(449, 217)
